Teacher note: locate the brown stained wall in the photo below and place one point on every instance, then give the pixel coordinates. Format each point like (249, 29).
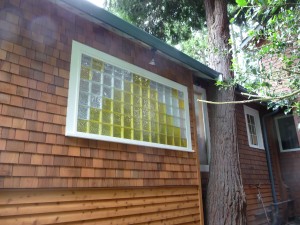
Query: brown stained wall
(35, 52)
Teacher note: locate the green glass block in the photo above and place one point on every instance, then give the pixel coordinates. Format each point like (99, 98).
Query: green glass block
(145, 102)
(170, 130)
(136, 89)
(136, 79)
(154, 137)
(117, 94)
(127, 86)
(174, 93)
(117, 119)
(97, 65)
(127, 121)
(127, 133)
(95, 114)
(177, 141)
(145, 92)
(153, 105)
(162, 139)
(107, 104)
(177, 132)
(136, 122)
(137, 135)
(162, 108)
(162, 118)
(82, 126)
(94, 128)
(117, 131)
(106, 117)
(154, 126)
(127, 97)
(170, 140)
(117, 107)
(162, 128)
(127, 109)
(181, 104)
(85, 73)
(146, 136)
(106, 130)
(183, 142)
(169, 120)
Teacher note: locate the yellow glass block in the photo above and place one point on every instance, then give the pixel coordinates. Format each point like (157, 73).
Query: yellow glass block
(128, 133)
(137, 101)
(94, 128)
(153, 94)
(170, 140)
(137, 135)
(85, 73)
(127, 86)
(107, 104)
(154, 137)
(162, 139)
(183, 142)
(145, 82)
(162, 108)
(170, 130)
(145, 92)
(136, 122)
(127, 97)
(146, 125)
(117, 94)
(117, 131)
(127, 109)
(154, 126)
(95, 114)
(117, 119)
(97, 65)
(82, 126)
(146, 136)
(136, 79)
(177, 132)
(127, 121)
(106, 130)
(162, 118)
(117, 107)
(177, 141)
(162, 128)
(106, 117)
(153, 105)
(136, 89)
(174, 93)
(169, 120)
(181, 104)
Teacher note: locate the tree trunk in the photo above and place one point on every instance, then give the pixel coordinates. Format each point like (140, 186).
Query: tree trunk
(226, 202)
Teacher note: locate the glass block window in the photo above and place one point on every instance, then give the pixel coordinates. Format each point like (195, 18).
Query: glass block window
(112, 100)
(253, 128)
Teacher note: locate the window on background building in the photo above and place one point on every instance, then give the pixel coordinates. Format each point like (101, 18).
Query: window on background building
(112, 100)
(253, 126)
(287, 133)
(203, 134)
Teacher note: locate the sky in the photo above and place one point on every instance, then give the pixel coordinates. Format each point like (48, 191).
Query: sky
(97, 2)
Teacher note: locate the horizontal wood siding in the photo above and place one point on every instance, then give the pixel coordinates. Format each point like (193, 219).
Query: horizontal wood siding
(99, 206)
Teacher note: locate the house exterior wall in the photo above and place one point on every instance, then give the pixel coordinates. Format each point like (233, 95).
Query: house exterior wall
(37, 157)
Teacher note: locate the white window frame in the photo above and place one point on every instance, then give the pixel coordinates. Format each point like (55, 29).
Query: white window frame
(255, 114)
(202, 92)
(73, 97)
(279, 137)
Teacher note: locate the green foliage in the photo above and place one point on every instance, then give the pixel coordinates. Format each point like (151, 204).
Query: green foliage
(271, 66)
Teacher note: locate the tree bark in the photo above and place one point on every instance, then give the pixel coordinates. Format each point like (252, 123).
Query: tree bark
(226, 202)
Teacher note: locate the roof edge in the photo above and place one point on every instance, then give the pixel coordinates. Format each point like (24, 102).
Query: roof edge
(135, 32)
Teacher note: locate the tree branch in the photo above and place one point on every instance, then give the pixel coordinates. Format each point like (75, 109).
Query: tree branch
(264, 99)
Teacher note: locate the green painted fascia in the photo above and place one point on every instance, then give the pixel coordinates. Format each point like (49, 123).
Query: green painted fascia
(138, 34)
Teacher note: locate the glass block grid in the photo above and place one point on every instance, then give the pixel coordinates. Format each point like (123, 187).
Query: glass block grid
(117, 103)
(252, 129)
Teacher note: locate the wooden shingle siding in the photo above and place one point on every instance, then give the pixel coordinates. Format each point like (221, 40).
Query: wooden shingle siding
(100, 206)
(35, 44)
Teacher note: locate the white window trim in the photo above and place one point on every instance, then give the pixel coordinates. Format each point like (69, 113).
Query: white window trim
(279, 137)
(72, 113)
(255, 114)
(202, 91)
